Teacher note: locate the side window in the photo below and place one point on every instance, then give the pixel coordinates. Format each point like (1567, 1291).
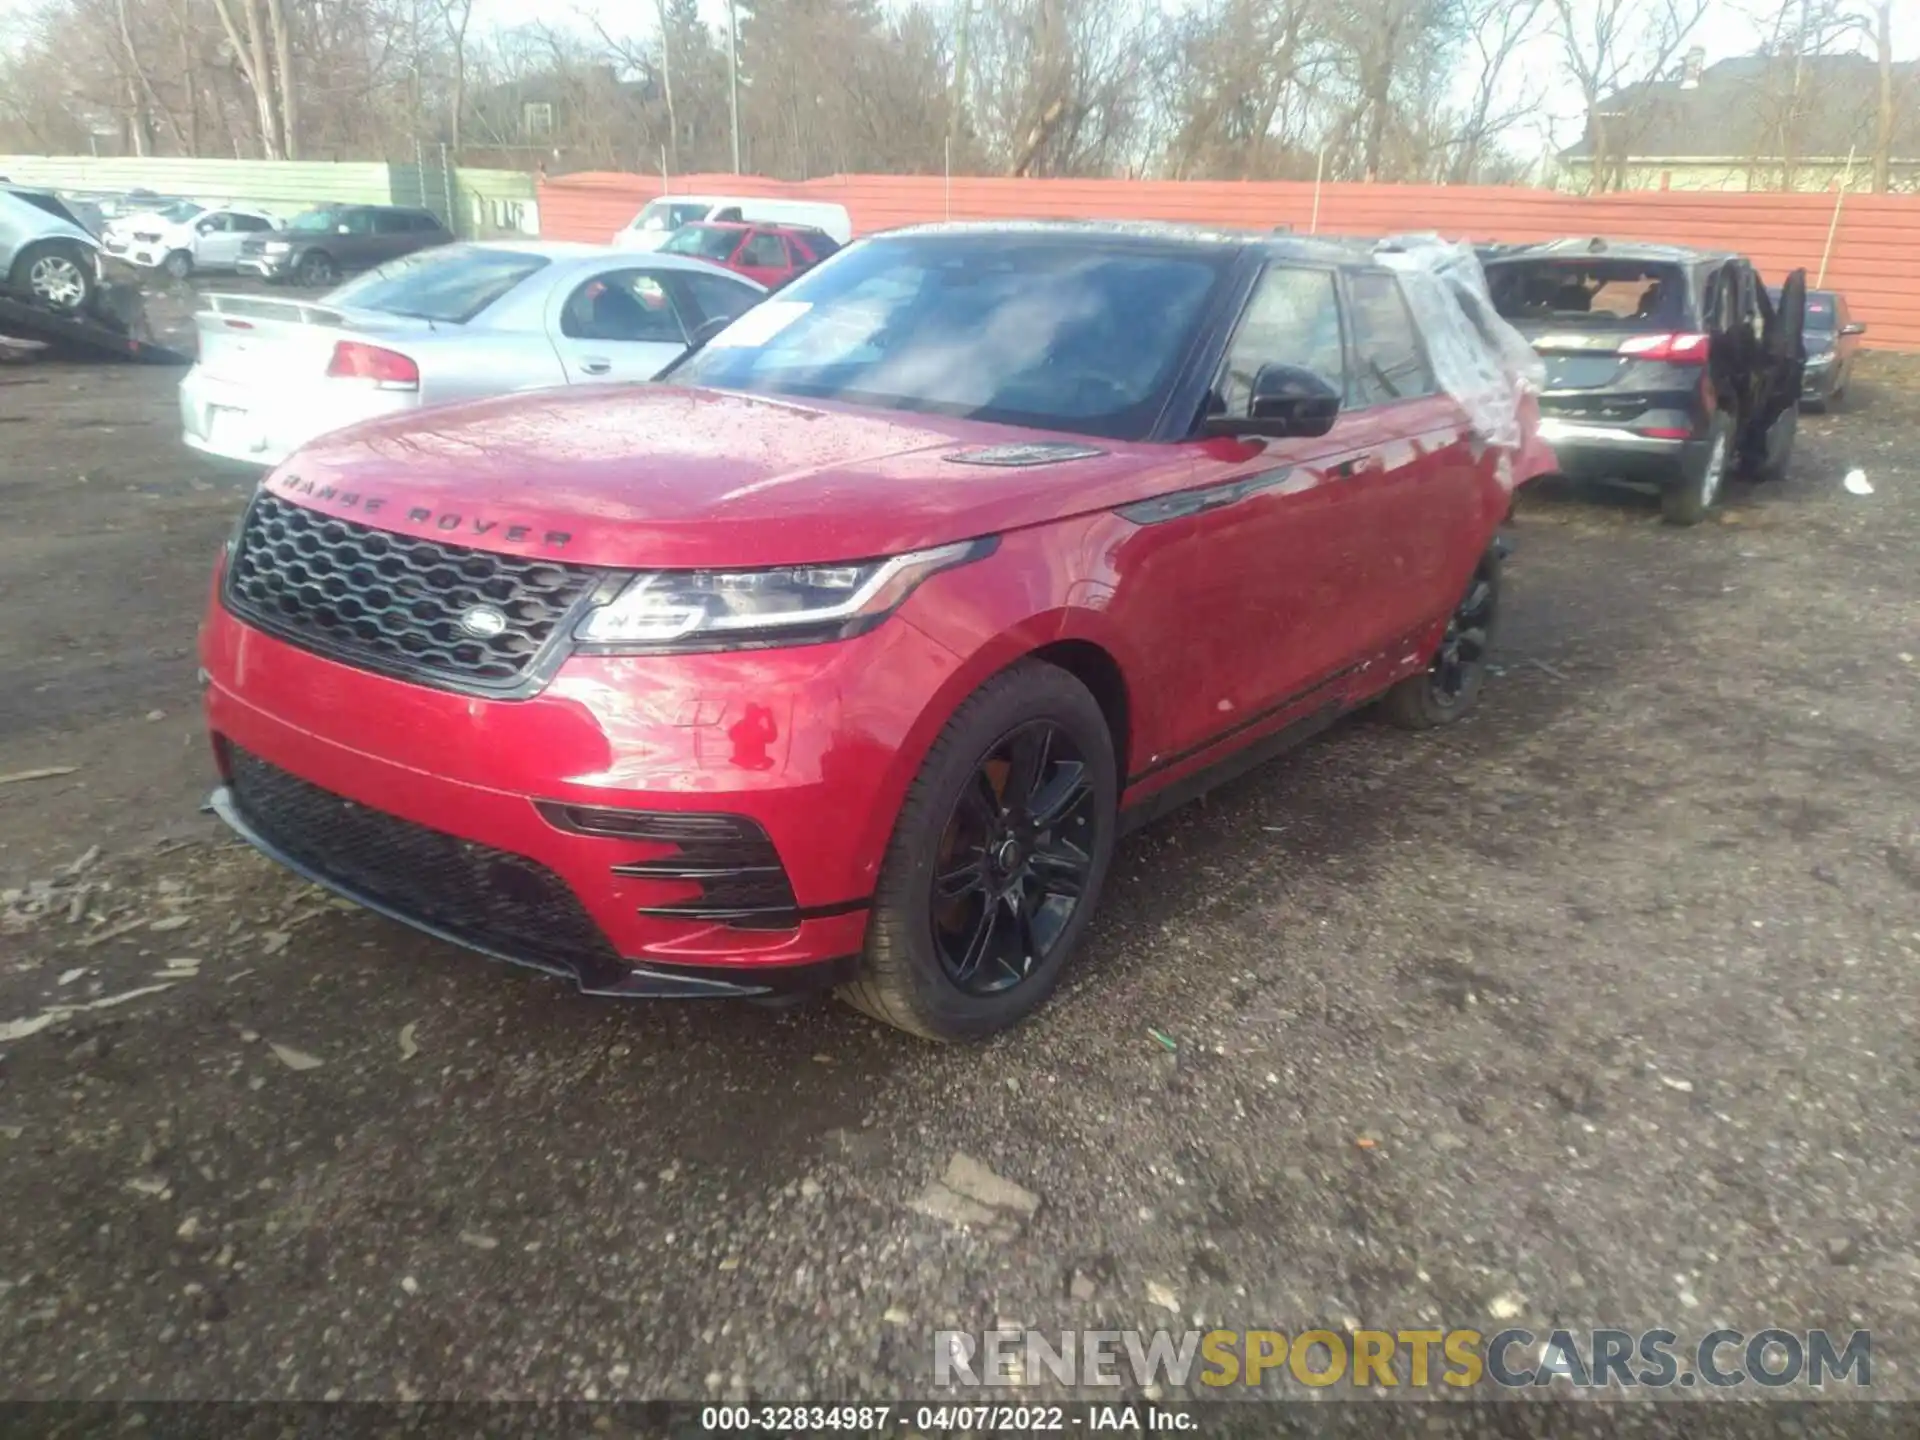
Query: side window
(764, 250)
(424, 222)
(251, 224)
(726, 213)
(391, 222)
(622, 305)
(357, 222)
(1293, 318)
(1389, 362)
(715, 298)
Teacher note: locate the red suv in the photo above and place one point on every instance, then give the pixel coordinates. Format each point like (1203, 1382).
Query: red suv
(769, 254)
(845, 654)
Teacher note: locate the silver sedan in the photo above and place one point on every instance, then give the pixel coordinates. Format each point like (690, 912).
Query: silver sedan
(459, 322)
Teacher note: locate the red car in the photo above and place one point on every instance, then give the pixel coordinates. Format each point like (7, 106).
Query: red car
(844, 655)
(769, 254)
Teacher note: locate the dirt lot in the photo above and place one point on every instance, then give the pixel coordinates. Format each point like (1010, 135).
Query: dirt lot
(1600, 1009)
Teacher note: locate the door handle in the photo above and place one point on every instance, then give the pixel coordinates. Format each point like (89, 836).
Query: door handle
(1352, 466)
(596, 367)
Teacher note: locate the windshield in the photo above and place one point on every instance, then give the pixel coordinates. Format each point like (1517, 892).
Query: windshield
(315, 220)
(1083, 338)
(179, 210)
(668, 215)
(447, 285)
(1580, 293)
(705, 241)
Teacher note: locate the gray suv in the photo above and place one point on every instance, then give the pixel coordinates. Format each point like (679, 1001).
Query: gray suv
(46, 254)
(320, 246)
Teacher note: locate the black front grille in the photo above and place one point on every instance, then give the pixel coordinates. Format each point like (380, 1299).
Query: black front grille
(488, 898)
(395, 604)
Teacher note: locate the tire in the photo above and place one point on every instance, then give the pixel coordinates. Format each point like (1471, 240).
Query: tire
(178, 265)
(952, 832)
(315, 269)
(57, 274)
(1695, 490)
(1773, 464)
(1447, 689)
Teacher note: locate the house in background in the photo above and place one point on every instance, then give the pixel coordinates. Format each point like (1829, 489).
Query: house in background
(1756, 122)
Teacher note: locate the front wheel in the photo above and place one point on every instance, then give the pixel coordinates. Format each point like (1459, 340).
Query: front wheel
(316, 269)
(996, 861)
(1446, 689)
(178, 265)
(58, 275)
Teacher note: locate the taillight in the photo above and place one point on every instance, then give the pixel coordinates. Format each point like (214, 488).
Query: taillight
(1680, 349)
(386, 369)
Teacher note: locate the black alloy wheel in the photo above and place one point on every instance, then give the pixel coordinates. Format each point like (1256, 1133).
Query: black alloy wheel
(997, 859)
(1462, 656)
(1014, 860)
(1448, 687)
(315, 269)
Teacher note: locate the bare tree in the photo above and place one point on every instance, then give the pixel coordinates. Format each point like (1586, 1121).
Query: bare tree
(261, 48)
(1497, 31)
(1607, 45)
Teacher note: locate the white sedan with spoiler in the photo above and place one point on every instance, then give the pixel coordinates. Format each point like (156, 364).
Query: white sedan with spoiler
(459, 322)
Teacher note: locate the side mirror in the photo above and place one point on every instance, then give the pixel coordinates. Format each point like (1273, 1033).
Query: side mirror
(342, 230)
(1287, 402)
(1856, 328)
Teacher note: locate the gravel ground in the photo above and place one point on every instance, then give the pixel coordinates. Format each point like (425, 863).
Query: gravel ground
(1596, 1010)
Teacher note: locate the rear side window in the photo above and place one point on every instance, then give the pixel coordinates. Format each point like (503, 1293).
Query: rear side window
(249, 224)
(449, 286)
(392, 222)
(425, 222)
(1389, 361)
(628, 305)
(1589, 292)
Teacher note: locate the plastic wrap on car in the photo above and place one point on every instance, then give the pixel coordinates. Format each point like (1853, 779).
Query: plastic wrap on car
(1478, 358)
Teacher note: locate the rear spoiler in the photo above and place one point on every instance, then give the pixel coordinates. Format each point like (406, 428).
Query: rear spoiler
(264, 307)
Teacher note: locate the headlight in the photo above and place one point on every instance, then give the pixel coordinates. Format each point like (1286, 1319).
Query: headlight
(276, 247)
(670, 611)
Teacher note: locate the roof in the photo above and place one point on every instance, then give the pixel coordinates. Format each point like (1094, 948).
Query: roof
(1326, 249)
(1745, 109)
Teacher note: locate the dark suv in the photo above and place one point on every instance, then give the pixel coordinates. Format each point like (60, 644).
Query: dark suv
(1665, 366)
(320, 246)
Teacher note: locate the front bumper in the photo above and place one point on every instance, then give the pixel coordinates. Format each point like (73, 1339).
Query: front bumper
(804, 747)
(1817, 380)
(267, 267)
(1591, 451)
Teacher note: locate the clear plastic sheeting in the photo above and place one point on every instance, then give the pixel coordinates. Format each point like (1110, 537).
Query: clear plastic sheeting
(1478, 358)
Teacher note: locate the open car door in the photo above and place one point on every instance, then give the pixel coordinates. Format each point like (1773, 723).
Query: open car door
(1783, 351)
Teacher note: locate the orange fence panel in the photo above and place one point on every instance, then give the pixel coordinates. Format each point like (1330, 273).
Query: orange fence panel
(1871, 260)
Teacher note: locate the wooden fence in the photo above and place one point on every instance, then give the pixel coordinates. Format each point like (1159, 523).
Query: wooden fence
(1875, 255)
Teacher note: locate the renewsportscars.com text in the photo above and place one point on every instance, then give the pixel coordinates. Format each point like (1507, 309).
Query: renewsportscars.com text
(1513, 1359)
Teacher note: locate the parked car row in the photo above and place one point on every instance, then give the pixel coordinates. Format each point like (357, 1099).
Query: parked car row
(842, 652)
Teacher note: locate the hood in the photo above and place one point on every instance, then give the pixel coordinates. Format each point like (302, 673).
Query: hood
(663, 476)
